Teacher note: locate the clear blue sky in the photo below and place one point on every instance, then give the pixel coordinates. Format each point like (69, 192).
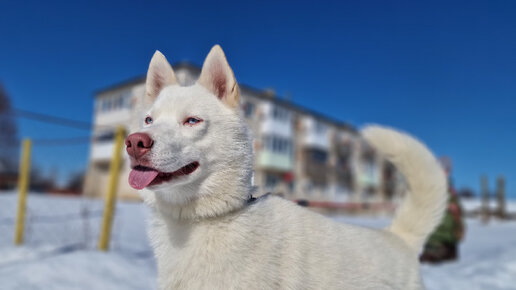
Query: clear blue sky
(444, 72)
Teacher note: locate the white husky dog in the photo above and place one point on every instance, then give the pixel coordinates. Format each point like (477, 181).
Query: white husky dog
(192, 159)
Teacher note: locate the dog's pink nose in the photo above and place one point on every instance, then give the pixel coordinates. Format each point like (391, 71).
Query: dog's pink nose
(138, 144)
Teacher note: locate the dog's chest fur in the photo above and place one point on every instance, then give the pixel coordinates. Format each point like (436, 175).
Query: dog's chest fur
(274, 244)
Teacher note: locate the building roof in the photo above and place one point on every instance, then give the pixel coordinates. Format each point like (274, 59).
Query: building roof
(255, 92)
(141, 79)
(296, 107)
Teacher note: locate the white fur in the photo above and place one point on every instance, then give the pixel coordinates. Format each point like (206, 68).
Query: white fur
(206, 236)
(424, 205)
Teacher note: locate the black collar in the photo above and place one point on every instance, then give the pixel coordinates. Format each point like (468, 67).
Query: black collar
(253, 199)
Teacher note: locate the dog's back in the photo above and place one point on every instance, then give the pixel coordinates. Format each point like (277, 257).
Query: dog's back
(275, 244)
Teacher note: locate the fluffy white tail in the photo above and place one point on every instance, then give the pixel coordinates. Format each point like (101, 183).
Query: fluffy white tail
(424, 204)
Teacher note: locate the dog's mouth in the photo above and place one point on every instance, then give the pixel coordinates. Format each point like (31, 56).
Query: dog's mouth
(142, 176)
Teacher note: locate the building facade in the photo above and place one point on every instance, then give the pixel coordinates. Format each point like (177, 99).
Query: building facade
(300, 154)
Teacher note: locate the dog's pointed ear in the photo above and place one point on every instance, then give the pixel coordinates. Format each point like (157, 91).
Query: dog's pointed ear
(218, 78)
(159, 75)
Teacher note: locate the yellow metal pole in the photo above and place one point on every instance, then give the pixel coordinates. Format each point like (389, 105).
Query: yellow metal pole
(23, 185)
(109, 203)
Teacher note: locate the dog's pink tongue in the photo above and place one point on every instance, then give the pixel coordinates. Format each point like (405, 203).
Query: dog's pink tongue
(141, 178)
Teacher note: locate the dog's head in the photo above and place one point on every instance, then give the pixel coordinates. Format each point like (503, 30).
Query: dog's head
(192, 143)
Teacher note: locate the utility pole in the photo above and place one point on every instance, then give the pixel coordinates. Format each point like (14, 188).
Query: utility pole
(500, 194)
(485, 199)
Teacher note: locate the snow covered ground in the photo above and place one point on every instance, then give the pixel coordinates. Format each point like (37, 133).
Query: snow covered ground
(59, 250)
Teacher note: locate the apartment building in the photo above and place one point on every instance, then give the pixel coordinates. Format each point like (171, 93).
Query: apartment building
(299, 153)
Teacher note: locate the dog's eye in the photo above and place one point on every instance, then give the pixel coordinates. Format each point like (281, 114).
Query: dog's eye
(192, 121)
(148, 120)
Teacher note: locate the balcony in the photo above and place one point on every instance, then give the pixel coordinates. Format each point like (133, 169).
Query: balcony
(113, 109)
(276, 121)
(316, 134)
(316, 165)
(344, 175)
(317, 172)
(369, 175)
(101, 151)
(275, 161)
(276, 127)
(113, 118)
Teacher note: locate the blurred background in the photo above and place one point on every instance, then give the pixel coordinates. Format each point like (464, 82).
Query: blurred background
(311, 75)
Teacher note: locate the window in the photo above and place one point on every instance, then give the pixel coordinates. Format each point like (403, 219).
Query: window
(98, 105)
(121, 101)
(343, 161)
(277, 144)
(248, 109)
(127, 100)
(320, 127)
(344, 156)
(319, 156)
(344, 188)
(316, 187)
(106, 105)
(369, 168)
(105, 136)
(271, 180)
(280, 114)
(102, 166)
